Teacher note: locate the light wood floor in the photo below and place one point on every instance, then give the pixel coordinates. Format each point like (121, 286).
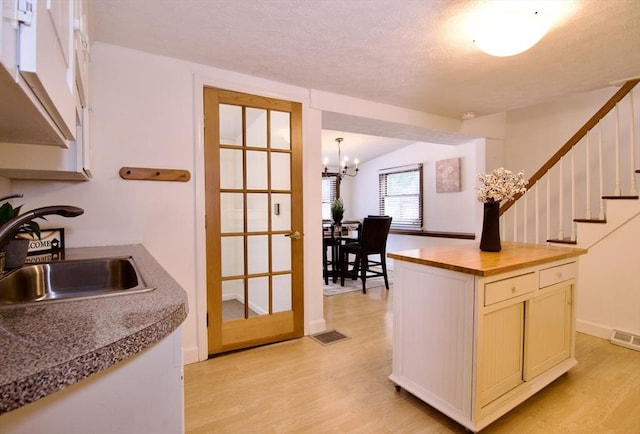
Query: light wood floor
(301, 386)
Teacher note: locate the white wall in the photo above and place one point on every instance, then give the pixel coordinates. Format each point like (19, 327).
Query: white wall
(609, 279)
(533, 134)
(443, 212)
(5, 187)
(147, 112)
(446, 212)
(609, 282)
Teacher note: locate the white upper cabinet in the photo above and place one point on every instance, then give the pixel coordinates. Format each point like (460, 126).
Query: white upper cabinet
(45, 60)
(44, 88)
(81, 49)
(37, 78)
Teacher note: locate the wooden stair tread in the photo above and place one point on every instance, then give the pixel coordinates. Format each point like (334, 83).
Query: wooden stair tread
(590, 220)
(567, 240)
(620, 197)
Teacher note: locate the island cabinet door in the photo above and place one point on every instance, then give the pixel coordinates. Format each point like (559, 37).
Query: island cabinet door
(548, 329)
(500, 352)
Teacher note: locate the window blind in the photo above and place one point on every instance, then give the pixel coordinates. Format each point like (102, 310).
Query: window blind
(401, 195)
(329, 194)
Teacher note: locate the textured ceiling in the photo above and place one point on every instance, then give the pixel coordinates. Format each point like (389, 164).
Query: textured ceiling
(410, 53)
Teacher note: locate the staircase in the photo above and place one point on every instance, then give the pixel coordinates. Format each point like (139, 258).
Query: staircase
(587, 195)
(596, 166)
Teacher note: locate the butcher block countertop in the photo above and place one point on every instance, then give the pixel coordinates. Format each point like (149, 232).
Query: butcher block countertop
(468, 258)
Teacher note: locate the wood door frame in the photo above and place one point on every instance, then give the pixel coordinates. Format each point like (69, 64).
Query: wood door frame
(296, 315)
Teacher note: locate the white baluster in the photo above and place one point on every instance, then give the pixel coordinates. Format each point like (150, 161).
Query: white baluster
(601, 214)
(525, 226)
(548, 176)
(632, 160)
(588, 172)
(537, 214)
(573, 196)
(618, 191)
(560, 199)
(515, 221)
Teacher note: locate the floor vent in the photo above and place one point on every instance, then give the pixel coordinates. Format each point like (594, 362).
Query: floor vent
(625, 339)
(330, 337)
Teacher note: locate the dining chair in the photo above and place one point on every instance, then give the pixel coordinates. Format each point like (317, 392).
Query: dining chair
(372, 242)
(328, 242)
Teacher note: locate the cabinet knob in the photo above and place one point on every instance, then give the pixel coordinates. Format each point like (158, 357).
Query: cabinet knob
(514, 290)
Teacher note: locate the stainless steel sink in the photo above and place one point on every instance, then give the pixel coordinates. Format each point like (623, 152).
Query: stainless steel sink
(64, 280)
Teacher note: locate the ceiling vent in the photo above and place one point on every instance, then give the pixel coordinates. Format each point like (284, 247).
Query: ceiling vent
(625, 339)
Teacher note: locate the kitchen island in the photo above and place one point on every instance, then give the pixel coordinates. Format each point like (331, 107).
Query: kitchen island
(477, 333)
(110, 364)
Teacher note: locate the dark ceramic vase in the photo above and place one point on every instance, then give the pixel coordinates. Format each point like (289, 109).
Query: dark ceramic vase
(490, 240)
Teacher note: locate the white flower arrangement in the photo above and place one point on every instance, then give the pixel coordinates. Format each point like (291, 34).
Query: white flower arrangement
(500, 184)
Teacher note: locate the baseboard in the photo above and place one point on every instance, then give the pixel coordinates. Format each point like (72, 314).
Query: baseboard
(314, 327)
(594, 329)
(190, 355)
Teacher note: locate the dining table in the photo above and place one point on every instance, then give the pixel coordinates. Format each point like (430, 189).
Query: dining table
(335, 236)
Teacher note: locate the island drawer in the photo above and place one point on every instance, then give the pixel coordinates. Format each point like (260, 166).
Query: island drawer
(553, 275)
(501, 290)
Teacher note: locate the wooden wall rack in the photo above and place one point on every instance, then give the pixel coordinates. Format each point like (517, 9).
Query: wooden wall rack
(152, 174)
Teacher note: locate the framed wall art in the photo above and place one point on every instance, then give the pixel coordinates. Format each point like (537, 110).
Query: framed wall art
(448, 175)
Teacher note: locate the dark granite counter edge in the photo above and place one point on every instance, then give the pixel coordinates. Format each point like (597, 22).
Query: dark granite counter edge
(24, 389)
(46, 382)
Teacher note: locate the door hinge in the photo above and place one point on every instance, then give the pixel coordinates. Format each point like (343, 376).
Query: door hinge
(25, 12)
(207, 319)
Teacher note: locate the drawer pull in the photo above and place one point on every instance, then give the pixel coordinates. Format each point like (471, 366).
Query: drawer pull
(513, 290)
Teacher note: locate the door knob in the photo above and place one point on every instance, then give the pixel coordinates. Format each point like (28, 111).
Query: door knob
(294, 235)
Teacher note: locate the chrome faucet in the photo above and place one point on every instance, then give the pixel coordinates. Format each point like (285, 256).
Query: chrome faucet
(10, 228)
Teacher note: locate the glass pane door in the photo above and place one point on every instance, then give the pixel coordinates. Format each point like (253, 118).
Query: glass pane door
(249, 176)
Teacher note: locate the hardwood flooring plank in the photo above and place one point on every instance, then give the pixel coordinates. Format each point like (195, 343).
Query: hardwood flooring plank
(301, 386)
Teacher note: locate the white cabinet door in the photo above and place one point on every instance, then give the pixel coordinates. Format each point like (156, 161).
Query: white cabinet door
(46, 63)
(8, 36)
(548, 329)
(81, 50)
(500, 352)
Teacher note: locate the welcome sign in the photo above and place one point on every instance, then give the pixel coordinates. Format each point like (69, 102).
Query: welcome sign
(50, 240)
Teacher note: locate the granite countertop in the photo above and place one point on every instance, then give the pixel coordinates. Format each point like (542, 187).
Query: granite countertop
(48, 346)
(468, 258)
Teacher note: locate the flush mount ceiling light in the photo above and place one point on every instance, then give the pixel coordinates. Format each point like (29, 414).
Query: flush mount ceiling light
(505, 28)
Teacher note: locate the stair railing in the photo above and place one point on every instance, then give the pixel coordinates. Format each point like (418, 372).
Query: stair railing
(564, 183)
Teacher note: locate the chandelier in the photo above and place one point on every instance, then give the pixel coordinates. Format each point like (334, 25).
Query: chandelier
(345, 169)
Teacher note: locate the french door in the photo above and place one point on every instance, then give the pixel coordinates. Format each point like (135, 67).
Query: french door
(253, 189)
